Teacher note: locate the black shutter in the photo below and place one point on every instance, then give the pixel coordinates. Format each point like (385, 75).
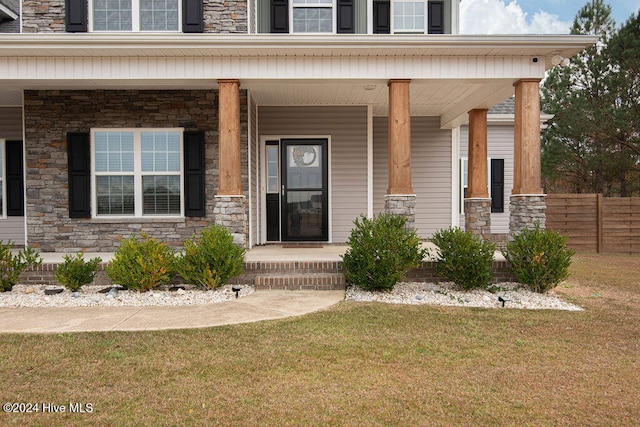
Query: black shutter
(346, 17)
(497, 185)
(194, 193)
(192, 16)
(15, 178)
(279, 16)
(79, 174)
(436, 17)
(75, 16)
(381, 17)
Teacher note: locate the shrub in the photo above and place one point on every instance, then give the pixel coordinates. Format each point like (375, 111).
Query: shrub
(211, 261)
(381, 250)
(539, 258)
(464, 258)
(76, 272)
(11, 265)
(142, 265)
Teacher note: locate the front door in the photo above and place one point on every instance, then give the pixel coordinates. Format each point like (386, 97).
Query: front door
(304, 195)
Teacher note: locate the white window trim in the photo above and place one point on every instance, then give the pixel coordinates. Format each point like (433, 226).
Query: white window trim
(135, 20)
(329, 3)
(3, 176)
(425, 30)
(137, 173)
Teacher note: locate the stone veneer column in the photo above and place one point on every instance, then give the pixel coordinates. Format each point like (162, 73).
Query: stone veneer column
(527, 200)
(230, 204)
(400, 199)
(231, 213)
(477, 203)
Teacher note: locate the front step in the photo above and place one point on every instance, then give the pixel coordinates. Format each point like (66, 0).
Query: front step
(309, 281)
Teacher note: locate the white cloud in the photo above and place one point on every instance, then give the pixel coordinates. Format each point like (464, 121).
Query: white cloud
(496, 17)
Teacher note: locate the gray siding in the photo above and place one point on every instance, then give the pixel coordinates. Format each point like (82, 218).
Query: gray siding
(347, 127)
(11, 228)
(430, 171)
(499, 146)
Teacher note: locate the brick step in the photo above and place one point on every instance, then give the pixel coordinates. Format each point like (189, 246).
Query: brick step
(313, 281)
(292, 267)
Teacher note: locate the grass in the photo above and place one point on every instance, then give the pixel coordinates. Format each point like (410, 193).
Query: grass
(355, 364)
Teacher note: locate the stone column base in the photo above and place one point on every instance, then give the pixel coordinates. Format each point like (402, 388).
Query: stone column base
(477, 217)
(526, 211)
(403, 205)
(231, 212)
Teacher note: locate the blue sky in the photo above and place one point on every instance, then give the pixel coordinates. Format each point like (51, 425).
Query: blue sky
(531, 16)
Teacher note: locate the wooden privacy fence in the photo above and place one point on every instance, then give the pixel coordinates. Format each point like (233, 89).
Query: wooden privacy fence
(594, 223)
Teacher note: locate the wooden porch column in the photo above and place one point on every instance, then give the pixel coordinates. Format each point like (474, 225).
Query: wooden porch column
(526, 161)
(477, 187)
(230, 167)
(399, 138)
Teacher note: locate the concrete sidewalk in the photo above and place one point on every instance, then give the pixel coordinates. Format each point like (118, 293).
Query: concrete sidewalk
(261, 305)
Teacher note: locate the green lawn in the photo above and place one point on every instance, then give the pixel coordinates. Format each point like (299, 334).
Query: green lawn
(355, 364)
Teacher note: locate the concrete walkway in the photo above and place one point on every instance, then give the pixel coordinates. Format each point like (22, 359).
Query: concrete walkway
(261, 305)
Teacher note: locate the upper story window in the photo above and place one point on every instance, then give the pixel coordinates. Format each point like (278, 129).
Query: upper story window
(136, 15)
(354, 16)
(137, 172)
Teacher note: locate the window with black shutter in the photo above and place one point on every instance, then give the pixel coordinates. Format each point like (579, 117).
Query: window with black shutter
(78, 161)
(76, 16)
(346, 17)
(436, 17)
(194, 176)
(15, 178)
(382, 17)
(279, 16)
(497, 185)
(192, 16)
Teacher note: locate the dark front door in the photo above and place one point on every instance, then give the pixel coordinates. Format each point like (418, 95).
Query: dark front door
(304, 194)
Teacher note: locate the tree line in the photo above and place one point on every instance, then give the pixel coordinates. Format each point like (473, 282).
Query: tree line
(592, 143)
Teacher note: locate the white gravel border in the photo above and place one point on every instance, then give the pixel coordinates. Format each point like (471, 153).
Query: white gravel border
(515, 295)
(88, 296)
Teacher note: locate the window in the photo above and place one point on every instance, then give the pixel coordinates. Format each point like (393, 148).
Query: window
(312, 16)
(136, 15)
(495, 182)
(408, 16)
(137, 172)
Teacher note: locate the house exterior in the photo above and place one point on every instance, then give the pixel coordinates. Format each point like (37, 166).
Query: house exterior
(283, 120)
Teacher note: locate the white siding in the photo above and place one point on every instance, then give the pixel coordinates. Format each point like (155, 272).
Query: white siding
(499, 146)
(430, 171)
(11, 228)
(347, 128)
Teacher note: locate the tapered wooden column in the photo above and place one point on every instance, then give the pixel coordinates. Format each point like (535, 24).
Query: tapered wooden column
(477, 187)
(399, 138)
(230, 179)
(526, 166)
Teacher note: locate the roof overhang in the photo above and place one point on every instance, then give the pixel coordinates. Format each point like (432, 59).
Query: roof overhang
(450, 74)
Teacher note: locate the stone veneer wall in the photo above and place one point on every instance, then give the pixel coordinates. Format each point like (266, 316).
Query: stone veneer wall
(403, 205)
(43, 16)
(220, 16)
(50, 114)
(477, 217)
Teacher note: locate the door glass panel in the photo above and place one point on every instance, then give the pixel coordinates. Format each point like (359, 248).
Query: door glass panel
(305, 209)
(304, 169)
(272, 169)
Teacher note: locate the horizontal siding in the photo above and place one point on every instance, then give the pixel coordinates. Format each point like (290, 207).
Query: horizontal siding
(430, 171)
(254, 183)
(347, 127)
(499, 146)
(12, 228)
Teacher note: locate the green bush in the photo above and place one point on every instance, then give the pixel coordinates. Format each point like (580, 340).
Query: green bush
(464, 258)
(76, 272)
(212, 260)
(142, 265)
(381, 250)
(539, 258)
(11, 265)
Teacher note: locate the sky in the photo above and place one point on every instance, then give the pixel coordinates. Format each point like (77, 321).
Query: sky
(531, 16)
